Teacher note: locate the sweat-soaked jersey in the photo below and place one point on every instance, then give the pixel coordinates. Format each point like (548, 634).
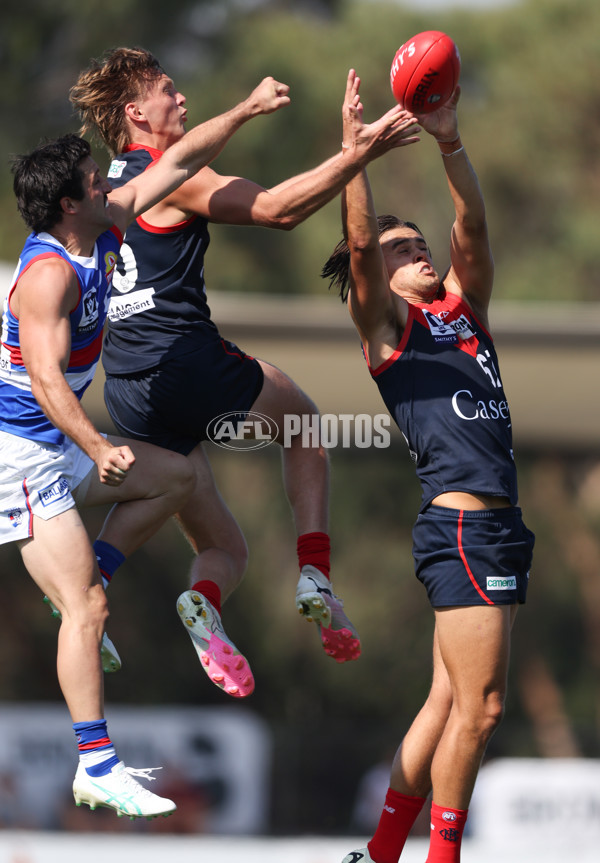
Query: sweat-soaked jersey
(20, 414)
(158, 309)
(442, 386)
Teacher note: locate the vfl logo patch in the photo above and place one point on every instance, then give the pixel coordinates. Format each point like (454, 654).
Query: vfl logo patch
(116, 169)
(509, 583)
(90, 314)
(449, 816)
(442, 333)
(15, 516)
(54, 492)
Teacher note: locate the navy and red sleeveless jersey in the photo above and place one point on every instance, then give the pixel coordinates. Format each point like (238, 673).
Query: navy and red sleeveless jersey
(158, 308)
(442, 386)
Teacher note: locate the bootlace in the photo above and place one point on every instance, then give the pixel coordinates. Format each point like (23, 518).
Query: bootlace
(143, 773)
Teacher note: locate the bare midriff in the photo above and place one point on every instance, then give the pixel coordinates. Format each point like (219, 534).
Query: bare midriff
(464, 500)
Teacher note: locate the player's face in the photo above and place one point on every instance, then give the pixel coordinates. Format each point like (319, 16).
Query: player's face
(408, 262)
(163, 108)
(94, 206)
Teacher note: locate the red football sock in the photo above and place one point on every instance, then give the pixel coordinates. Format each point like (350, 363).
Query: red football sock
(314, 549)
(211, 591)
(447, 827)
(398, 816)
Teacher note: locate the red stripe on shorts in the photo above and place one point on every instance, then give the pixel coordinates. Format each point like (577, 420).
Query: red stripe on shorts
(464, 560)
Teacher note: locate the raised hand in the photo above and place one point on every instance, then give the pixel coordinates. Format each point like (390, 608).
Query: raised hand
(443, 123)
(269, 96)
(396, 128)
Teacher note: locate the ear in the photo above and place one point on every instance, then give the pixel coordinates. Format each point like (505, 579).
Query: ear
(134, 112)
(68, 206)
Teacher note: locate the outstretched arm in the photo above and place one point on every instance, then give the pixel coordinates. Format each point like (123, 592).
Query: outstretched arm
(378, 313)
(192, 152)
(234, 200)
(472, 268)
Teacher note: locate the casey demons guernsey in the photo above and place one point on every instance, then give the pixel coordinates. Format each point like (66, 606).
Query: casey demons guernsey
(20, 413)
(442, 386)
(158, 308)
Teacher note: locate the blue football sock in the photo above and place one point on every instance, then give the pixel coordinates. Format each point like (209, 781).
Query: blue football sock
(109, 560)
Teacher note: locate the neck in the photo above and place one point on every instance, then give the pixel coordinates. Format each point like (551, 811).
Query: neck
(154, 140)
(75, 244)
(427, 295)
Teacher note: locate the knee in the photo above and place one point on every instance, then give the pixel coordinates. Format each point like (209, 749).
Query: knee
(98, 604)
(91, 613)
(490, 714)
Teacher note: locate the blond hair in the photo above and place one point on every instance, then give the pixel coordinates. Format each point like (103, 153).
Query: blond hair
(102, 90)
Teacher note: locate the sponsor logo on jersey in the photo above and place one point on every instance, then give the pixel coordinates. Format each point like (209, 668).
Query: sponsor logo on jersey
(54, 492)
(462, 327)
(116, 169)
(468, 408)
(448, 332)
(494, 583)
(124, 306)
(242, 430)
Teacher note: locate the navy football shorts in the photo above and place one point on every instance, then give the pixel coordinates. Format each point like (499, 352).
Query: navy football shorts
(172, 405)
(472, 557)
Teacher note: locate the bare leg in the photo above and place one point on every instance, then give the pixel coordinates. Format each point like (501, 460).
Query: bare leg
(445, 743)
(210, 527)
(411, 769)
(221, 549)
(159, 483)
(306, 483)
(221, 556)
(214, 534)
(305, 469)
(474, 645)
(60, 560)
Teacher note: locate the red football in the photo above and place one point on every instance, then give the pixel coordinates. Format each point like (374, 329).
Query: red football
(425, 71)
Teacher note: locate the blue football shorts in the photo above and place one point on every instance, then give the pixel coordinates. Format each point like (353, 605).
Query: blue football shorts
(472, 557)
(173, 404)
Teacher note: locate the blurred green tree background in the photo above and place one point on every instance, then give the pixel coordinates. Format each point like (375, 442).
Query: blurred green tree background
(530, 116)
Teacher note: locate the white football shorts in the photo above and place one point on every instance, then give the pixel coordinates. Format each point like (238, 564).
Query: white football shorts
(36, 479)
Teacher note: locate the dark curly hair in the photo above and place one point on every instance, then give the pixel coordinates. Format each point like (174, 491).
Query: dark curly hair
(44, 176)
(337, 267)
